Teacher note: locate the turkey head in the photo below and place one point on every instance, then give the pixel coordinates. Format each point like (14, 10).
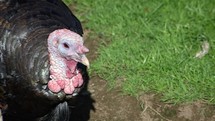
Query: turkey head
(66, 49)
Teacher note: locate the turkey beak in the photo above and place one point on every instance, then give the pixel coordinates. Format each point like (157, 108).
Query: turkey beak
(85, 61)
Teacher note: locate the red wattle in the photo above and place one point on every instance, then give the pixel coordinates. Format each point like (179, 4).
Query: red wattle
(69, 88)
(53, 86)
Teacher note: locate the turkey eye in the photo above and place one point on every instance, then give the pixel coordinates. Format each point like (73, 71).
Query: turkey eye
(66, 45)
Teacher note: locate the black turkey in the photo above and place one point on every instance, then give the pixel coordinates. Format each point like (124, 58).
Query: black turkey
(42, 60)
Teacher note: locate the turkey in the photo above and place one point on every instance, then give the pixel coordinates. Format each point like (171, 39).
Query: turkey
(42, 60)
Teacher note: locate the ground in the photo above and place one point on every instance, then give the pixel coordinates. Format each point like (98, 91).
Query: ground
(111, 105)
(103, 104)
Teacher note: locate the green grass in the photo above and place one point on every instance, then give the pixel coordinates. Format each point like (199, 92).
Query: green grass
(149, 46)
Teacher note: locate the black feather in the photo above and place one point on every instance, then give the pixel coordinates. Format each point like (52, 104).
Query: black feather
(59, 113)
(24, 65)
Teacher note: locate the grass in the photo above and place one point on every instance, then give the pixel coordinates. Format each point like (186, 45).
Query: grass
(150, 45)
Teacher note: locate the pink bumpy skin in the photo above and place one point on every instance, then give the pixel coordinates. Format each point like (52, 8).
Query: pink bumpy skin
(65, 49)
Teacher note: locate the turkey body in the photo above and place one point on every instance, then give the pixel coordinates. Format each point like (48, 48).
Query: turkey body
(24, 59)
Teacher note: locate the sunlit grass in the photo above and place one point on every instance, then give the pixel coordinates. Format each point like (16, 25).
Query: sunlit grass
(152, 45)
